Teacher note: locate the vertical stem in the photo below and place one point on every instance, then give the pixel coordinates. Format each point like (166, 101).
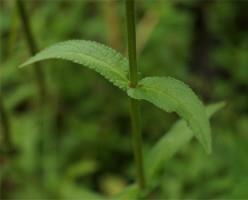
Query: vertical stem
(8, 147)
(134, 104)
(5, 126)
(32, 47)
(131, 35)
(41, 86)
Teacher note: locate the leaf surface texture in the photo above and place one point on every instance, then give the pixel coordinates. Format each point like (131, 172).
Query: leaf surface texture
(173, 95)
(104, 60)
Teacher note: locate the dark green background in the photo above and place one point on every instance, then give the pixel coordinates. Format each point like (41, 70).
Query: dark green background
(84, 143)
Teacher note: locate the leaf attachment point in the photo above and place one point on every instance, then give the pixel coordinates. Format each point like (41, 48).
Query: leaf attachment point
(173, 95)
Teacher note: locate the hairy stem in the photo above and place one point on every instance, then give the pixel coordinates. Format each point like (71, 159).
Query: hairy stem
(134, 104)
(39, 75)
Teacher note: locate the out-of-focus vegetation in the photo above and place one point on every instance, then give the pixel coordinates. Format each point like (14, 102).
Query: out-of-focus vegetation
(77, 144)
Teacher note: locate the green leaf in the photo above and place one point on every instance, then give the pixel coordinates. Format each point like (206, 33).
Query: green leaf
(130, 192)
(173, 95)
(171, 143)
(81, 168)
(69, 190)
(104, 60)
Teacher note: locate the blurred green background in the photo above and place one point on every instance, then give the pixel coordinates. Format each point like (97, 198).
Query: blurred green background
(79, 143)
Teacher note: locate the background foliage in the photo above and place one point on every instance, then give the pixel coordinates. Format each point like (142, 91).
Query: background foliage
(84, 146)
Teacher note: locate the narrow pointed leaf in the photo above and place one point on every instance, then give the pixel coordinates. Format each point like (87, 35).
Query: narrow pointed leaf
(104, 60)
(178, 136)
(173, 95)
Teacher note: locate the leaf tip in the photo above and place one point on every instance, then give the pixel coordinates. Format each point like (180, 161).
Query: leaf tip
(220, 105)
(21, 65)
(24, 64)
(208, 149)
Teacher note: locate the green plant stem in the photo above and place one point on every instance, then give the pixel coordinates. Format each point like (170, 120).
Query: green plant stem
(5, 126)
(131, 34)
(39, 75)
(41, 85)
(134, 104)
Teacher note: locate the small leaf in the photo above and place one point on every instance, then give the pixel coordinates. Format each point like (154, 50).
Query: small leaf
(213, 108)
(173, 95)
(104, 60)
(130, 192)
(171, 143)
(69, 190)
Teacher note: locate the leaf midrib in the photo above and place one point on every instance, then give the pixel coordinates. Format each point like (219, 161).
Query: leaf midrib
(107, 65)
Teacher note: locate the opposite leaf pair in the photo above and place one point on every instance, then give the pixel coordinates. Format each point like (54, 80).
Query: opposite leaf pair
(166, 93)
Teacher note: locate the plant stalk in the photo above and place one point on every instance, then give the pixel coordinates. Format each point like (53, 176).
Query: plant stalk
(134, 104)
(5, 126)
(31, 43)
(41, 86)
